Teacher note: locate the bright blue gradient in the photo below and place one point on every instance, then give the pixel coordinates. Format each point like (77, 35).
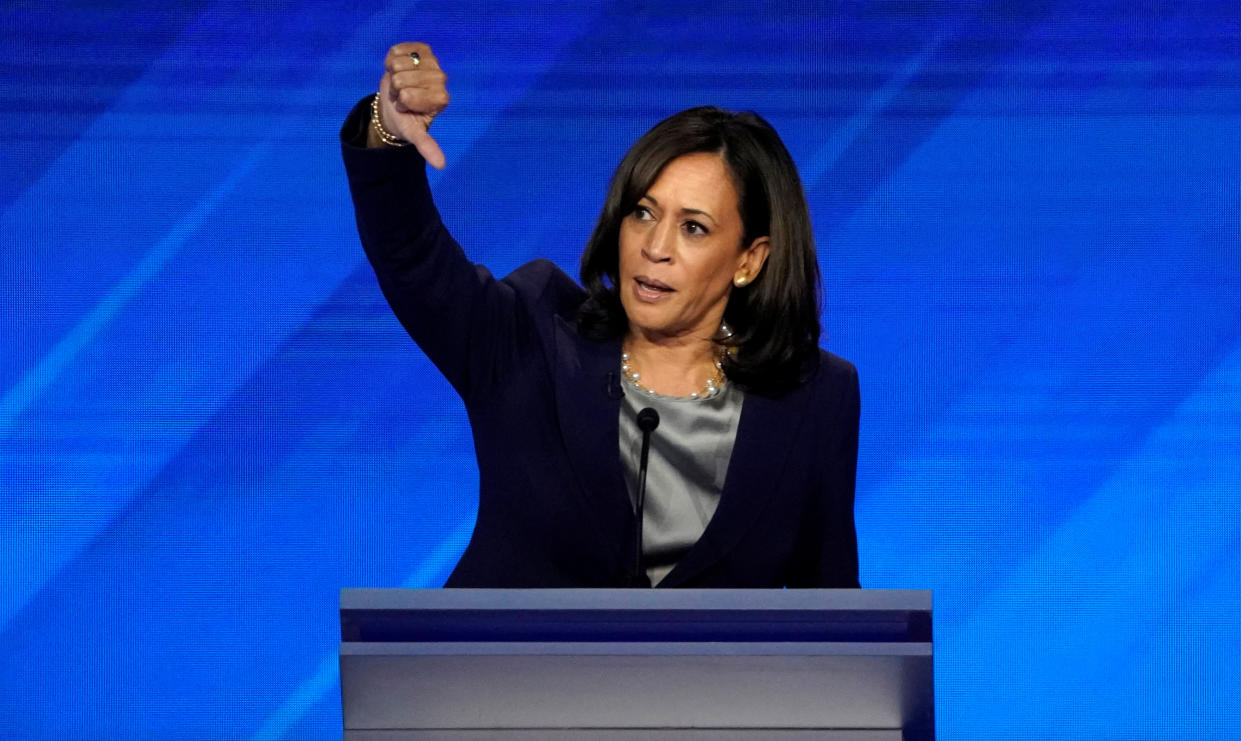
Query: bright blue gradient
(1029, 225)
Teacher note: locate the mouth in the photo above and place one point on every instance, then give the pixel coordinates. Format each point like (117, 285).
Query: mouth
(649, 289)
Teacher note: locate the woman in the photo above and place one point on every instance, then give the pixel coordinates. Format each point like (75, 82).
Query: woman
(700, 300)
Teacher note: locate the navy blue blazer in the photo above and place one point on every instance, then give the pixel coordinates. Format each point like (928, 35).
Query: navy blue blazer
(544, 406)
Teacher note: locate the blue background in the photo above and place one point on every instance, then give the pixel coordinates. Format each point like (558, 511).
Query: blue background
(1028, 223)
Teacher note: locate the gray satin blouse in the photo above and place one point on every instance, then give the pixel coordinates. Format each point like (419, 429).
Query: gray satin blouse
(685, 471)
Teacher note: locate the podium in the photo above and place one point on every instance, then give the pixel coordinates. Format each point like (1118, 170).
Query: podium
(629, 664)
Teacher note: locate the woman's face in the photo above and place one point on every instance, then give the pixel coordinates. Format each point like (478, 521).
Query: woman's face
(680, 251)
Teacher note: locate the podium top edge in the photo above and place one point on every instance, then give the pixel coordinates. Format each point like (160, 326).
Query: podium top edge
(904, 600)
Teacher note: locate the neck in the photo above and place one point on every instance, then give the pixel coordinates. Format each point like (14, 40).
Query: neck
(673, 366)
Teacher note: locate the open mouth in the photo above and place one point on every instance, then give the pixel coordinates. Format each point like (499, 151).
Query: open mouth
(650, 289)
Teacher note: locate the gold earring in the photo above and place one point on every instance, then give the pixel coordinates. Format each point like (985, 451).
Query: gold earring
(740, 280)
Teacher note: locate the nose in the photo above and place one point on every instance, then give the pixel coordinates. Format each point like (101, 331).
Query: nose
(661, 242)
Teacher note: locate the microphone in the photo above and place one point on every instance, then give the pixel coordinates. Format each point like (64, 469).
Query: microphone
(648, 420)
(612, 387)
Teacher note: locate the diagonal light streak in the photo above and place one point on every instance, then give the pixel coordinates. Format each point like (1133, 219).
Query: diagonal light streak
(61, 529)
(1176, 497)
(49, 368)
(845, 135)
(312, 689)
(34, 549)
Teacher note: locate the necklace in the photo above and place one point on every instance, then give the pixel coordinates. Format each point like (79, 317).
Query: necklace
(712, 386)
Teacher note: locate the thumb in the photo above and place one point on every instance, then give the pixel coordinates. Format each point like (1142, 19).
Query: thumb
(428, 148)
(409, 125)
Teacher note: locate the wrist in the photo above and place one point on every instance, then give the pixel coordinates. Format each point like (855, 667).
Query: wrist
(376, 134)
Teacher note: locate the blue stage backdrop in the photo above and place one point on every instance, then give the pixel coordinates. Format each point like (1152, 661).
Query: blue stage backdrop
(1027, 216)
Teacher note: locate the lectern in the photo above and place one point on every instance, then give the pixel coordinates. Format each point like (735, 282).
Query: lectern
(616, 665)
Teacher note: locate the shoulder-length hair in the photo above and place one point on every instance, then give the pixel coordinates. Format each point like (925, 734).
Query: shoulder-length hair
(775, 319)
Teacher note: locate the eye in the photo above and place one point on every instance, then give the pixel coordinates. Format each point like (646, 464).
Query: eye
(642, 213)
(693, 228)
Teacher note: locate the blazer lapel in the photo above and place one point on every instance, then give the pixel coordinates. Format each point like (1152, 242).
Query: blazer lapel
(766, 431)
(588, 399)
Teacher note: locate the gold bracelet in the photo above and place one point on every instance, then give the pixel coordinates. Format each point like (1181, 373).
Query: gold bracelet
(387, 137)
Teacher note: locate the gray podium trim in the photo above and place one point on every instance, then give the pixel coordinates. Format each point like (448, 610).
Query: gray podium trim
(625, 734)
(629, 600)
(616, 689)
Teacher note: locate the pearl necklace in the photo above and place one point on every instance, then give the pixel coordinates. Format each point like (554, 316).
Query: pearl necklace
(713, 385)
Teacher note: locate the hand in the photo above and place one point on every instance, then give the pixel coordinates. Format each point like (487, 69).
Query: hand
(411, 95)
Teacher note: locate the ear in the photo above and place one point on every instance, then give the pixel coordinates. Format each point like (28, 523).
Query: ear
(750, 262)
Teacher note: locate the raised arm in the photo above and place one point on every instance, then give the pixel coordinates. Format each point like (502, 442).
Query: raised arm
(465, 320)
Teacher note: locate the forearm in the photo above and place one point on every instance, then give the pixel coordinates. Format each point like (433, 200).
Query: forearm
(433, 288)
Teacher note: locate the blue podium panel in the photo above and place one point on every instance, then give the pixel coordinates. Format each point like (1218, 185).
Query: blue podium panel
(600, 664)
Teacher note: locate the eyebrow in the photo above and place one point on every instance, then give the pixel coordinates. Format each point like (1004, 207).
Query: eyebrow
(699, 211)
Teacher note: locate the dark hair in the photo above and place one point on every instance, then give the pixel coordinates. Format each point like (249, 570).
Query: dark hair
(775, 319)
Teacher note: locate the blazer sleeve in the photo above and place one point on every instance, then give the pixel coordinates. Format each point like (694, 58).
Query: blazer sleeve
(838, 564)
(832, 536)
(464, 319)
